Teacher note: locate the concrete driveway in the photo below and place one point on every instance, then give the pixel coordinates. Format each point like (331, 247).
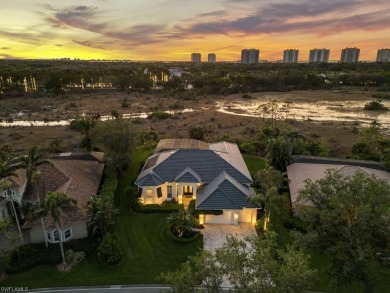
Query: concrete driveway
(214, 235)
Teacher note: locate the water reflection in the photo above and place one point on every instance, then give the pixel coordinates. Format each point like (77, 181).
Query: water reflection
(321, 111)
(332, 111)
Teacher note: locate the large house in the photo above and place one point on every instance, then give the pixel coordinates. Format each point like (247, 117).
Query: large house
(214, 175)
(78, 175)
(315, 168)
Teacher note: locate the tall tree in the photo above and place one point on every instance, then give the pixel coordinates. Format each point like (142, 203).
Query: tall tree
(350, 220)
(257, 264)
(7, 169)
(278, 153)
(116, 138)
(85, 125)
(268, 180)
(55, 204)
(31, 162)
(100, 212)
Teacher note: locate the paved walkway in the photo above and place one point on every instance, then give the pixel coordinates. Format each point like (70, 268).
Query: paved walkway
(214, 235)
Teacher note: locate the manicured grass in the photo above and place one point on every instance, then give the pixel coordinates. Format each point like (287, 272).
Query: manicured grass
(147, 250)
(147, 253)
(254, 163)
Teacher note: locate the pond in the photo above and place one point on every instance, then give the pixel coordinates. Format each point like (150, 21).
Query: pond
(317, 111)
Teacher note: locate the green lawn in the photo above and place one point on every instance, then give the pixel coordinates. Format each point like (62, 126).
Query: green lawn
(254, 163)
(148, 251)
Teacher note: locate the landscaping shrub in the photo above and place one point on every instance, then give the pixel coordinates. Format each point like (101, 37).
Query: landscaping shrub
(165, 208)
(109, 182)
(87, 245)
(183, 240)
(109, 250)
(134, 201)
(28, 256)
(31, 255)
(73, 258)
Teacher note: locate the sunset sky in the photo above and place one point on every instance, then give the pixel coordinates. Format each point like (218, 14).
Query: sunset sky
(170, 30)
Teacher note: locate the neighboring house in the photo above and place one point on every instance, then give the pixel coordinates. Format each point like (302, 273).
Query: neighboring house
(314, 168)
(78, 175)
(214, 175)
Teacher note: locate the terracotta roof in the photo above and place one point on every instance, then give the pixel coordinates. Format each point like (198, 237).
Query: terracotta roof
(69, 217)
(78, 179)
(84, 179)
(51, 180)
(16, 181)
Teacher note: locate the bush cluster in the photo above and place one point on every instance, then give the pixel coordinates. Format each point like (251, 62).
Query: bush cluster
(28, 256)
(166, 208)
(183, 240)
(109, 183)
(31, 255)
(109, 250)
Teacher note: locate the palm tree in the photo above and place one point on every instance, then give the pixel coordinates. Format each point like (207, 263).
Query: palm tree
(100, 213)
(181, 221)
(54, 205)
(7, 169)
(269, 180)
(31, 162)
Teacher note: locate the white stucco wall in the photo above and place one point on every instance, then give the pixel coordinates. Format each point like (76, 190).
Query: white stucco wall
(177, 189)
(244, 216)
(79, 230)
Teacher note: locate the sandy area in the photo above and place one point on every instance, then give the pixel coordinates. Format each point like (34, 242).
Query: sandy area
(338, 136)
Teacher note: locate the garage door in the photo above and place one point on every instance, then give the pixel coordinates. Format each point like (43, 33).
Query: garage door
(225, 218)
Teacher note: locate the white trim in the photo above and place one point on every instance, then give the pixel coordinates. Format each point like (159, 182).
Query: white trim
(70, 235)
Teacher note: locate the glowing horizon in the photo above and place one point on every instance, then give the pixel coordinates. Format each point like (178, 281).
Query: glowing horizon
(170, 30)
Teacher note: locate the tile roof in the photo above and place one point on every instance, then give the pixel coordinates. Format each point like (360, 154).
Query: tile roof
(206, 163)
(176, 144)
(68, 217)
(298, 172)
(187, 175)
(16, 181)
(224, 192)
(78, 179)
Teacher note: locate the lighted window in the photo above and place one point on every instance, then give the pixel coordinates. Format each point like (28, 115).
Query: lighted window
(68, 234)
(149, 193)
(169, 191)
(187, 190)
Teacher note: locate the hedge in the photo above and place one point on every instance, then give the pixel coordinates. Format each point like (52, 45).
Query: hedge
(165, 208)
(110, 182)
(174, 238)
(28, 256)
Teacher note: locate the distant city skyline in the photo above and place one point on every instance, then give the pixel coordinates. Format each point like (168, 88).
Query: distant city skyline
(169, 30)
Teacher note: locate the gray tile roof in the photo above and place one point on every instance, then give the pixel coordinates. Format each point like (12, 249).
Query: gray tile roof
(206, 163)
(150, 179)
(188, 175)
(224, 192)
